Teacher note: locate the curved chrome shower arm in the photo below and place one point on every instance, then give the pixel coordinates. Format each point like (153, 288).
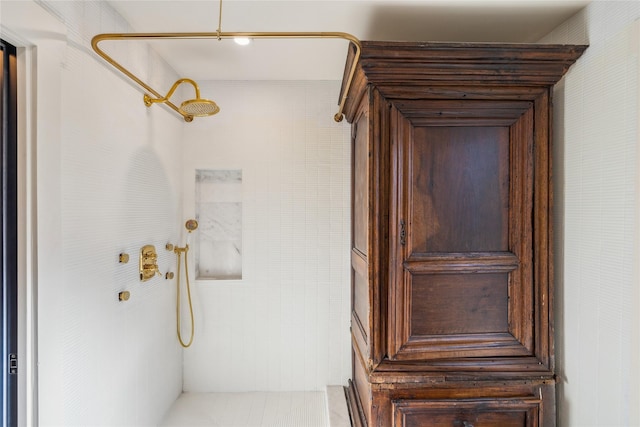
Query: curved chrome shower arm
(224, 35)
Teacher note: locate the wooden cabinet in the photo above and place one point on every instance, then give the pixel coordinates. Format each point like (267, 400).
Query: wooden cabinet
(452, 293)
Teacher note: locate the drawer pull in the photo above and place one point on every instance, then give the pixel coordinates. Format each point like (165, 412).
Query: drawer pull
(466, 424)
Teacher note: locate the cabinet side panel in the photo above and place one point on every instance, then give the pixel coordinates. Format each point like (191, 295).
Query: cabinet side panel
(360, 313)
(363, 387)
(361, 185)
(361, 294)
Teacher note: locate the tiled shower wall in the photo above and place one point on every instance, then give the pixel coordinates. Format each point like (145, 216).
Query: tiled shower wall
(108, 182)
(285, 325)
(596, 132)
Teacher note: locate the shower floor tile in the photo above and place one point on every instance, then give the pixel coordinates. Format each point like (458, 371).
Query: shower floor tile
(249, 409)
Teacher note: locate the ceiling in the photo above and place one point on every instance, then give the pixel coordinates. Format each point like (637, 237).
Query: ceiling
(418, 20)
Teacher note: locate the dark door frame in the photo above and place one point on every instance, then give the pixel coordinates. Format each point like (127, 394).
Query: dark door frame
(9, 233)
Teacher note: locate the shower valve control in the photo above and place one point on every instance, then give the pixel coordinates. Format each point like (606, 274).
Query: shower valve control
(148, 263)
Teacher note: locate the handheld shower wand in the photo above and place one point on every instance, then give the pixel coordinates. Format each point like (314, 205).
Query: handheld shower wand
(190, 225)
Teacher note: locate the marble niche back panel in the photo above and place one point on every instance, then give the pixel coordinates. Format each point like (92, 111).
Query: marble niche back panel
(219, 213)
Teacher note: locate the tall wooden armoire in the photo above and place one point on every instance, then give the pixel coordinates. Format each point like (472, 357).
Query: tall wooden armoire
(452, 291)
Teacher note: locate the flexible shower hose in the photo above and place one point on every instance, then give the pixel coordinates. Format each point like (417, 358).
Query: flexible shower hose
(186, 273)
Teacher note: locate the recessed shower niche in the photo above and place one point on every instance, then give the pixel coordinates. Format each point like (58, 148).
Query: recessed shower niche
(218, 200)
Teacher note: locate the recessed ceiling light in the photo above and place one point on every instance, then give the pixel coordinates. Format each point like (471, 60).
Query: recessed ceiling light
(242, 41)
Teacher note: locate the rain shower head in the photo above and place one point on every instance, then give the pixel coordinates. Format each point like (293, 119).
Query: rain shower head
(191, 108)
(199, 107)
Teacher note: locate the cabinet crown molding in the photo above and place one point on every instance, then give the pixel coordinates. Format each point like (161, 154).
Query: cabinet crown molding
(391, 65)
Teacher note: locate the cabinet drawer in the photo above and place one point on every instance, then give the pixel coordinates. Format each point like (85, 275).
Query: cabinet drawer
(466, 413)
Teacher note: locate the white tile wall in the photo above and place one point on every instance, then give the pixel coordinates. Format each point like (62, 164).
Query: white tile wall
(285, 325)
(596, 124)
(108, 182)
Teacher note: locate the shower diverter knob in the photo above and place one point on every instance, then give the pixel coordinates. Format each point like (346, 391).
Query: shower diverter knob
(148, 263)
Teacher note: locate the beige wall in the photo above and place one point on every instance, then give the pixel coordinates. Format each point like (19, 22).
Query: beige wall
(596, 166)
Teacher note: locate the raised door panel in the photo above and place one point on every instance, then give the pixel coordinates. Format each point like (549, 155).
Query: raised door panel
(459, 190)
(459, 304)
(463, 286)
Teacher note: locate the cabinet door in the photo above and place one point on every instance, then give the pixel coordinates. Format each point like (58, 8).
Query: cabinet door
(462, 278)
(468, 413)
